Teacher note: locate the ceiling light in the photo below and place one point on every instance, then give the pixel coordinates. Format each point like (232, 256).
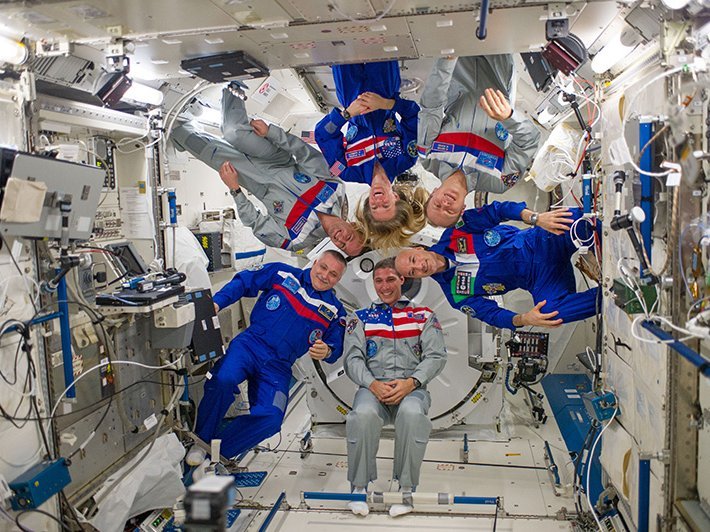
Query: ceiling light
(675, 4)
(619, 46)
(12, 51)
(143, 94)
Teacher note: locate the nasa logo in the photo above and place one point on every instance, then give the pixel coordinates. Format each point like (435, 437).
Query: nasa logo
(273, 302)
(302, 178)
(316, 334)
(501, 132)
(371, 348)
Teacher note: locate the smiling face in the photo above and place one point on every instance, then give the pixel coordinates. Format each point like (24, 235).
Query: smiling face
(345, 237)
(445, 206)
(417, 263)
(382, 199)
(388, 285)
(326, 272)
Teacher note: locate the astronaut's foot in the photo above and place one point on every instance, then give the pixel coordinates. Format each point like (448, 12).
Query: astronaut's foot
(400, 509)
(237, 89)
(359, 507)
(195, 456)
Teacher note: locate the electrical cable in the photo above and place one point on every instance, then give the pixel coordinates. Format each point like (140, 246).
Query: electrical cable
(591, 457)
(37, 510)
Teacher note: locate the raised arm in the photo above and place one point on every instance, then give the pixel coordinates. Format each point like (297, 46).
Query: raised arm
(246, 283)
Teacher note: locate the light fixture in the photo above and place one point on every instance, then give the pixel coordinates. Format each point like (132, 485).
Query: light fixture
(143, 94)
(675, 4)
(620, 46)
(12, 51)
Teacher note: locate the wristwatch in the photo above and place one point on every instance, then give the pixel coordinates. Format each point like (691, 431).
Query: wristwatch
(346, 115)
(235, 192)
(417, 384)
(533, 219)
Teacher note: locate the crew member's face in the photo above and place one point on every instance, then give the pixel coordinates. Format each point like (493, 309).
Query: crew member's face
(388, 285)
(445, 206)
(416, 263)
(326, 272)
(383, 199)
(346, 238)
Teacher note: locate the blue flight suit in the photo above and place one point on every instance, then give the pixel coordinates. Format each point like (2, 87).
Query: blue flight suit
(489, 259)
(377, 136)
(289, 316)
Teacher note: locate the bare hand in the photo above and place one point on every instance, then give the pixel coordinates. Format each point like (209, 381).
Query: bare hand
(260, 127)
(375, 101)
(319, 350)
(358, 107)
(556, 221)
(496, 105)
(538, 319)
(379, 389)
(399, 389)
(229, 175)
(216, 308)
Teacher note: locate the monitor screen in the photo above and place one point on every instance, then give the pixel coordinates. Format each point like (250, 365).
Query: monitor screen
(130, 258)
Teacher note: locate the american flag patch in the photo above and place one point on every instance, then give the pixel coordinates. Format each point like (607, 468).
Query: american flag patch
(299, 225)
(308, 136)
(337, 168)
(442, 147)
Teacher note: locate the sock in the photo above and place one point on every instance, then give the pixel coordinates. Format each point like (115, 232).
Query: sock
(359, 507)
(401, 509)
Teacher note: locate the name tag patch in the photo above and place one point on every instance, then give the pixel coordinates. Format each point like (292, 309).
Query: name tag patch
(326, 312)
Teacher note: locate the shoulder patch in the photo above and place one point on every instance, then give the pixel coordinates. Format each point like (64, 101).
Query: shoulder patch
(412, 148)
(351, 326)
(435, 322)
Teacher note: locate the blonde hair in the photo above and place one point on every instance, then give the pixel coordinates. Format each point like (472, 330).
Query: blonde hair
(409, 219)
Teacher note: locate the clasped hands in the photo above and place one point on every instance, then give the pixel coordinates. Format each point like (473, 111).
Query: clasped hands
(392, 392)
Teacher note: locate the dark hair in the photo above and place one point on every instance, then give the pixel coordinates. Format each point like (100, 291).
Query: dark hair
(336, 255)
(387, 263)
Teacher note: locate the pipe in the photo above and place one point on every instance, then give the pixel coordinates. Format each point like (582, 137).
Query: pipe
(397, 497)
(482, 30)
(683, 350)
(65, 332)
(646, 162)
(272, 513)
(644, 488)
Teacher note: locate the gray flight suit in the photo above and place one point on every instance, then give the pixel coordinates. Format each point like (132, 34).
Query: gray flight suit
(454, 131)
(290, 177)
(385, 343)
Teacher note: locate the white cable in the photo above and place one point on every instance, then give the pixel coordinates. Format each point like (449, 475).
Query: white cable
(589, 462)
(100, 365)
(627, 115)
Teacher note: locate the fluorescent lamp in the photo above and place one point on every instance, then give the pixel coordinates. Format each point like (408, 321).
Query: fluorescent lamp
(613, 52)
(12, 51)
(143, 94)
(675, 4)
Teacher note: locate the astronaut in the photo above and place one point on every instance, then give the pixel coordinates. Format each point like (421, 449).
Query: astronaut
(304, 203)
(393, 349)
(482, 257)
(377, 147)
(469, 147)
(296, 313)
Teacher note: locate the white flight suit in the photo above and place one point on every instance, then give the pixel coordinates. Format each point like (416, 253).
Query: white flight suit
(386, 343)
(454, 132)
(290, 177)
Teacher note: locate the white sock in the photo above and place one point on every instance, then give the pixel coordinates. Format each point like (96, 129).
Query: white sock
(401, 509)
(196, 456)
(359, 507)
